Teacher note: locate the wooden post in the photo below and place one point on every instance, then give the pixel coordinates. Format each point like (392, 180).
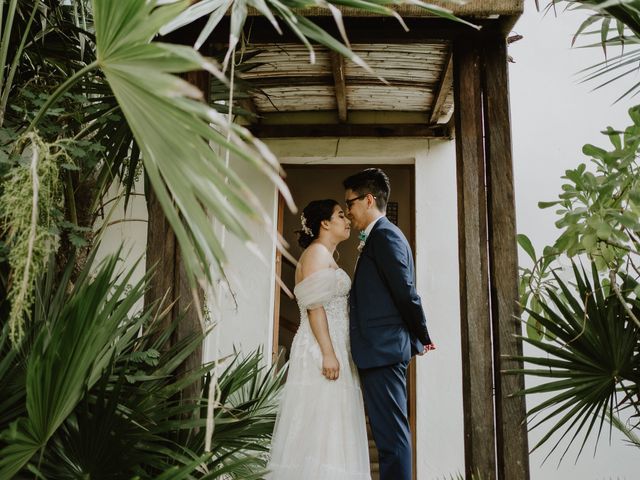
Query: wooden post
(511, 430)
(170, 281)
(477, 361)
(161, 248)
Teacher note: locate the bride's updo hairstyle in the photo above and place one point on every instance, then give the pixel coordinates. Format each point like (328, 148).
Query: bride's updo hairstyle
(312, 215)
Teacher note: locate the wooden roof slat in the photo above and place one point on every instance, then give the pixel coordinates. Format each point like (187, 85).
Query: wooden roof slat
(443, 90)
(309, 80)
(337, 67)
(286, 81)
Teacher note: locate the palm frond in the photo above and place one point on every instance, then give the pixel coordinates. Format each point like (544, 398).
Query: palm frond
(190, 179)
(69, 354)
(291, 13)
(617, 23)
(592, 355)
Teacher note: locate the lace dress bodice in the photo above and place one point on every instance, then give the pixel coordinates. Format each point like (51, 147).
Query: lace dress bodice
(328, 288)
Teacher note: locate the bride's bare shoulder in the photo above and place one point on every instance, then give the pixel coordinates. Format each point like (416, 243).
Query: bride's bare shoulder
(315, 257)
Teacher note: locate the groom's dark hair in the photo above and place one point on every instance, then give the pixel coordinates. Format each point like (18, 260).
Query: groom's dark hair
(373, 181)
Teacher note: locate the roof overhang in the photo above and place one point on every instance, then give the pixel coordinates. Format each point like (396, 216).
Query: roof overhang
(292, 97)
(470, 9)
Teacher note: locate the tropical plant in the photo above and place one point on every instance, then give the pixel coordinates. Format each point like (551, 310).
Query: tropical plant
(87, 395)
(614, 24)
(589, 330)
(599, 207)
(593, 359)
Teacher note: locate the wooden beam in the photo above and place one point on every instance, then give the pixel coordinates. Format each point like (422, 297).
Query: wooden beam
(340, 86)
(249, 105)
(349, 130)
(356, 117)
(511, 428)
(362, 30)
(444, 87)
(313, 80)
(477, 358)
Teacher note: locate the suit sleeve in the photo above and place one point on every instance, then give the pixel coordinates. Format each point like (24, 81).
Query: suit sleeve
(392, 257)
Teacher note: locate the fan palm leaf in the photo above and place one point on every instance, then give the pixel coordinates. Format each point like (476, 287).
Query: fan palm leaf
(615, 23)
(592, 358)
(173, 130)
(97, 398)
(68, 356)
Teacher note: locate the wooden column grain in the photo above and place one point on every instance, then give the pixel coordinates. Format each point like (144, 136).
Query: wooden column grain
(339, 84)
(477, 361)
(511, 429)
(160, 258)
(170, 281)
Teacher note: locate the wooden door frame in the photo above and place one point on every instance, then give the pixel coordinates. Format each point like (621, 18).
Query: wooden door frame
(411, 371)
(278, 290)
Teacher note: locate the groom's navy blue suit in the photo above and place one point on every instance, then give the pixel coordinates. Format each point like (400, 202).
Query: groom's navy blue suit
(387, 327)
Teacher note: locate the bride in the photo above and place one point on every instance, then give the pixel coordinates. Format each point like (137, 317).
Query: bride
(320, 432)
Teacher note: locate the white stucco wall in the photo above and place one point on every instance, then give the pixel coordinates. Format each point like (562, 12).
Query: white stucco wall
(126, 229)
(245, 323)
(439, 374)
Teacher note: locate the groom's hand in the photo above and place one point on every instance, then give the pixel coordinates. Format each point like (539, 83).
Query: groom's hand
(427, 348)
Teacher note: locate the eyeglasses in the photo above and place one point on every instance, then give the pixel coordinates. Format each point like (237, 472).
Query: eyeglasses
(351, 201)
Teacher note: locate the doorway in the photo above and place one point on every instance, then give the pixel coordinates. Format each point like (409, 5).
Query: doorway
(313, 182)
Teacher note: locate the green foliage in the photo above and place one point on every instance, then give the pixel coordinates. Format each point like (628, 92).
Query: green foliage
(592, 360)
(589, 330)
(30, 208)
(533, 285)
(627, 430)
(613, 24)
(123, 47)
(599, 207)
(88, 396)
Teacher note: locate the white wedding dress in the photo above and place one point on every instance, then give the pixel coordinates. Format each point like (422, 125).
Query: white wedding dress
(320, 432)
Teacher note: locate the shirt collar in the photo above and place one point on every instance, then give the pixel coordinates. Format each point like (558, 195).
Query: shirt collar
(367, 230)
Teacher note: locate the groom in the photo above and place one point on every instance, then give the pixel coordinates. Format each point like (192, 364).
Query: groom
(387, 323)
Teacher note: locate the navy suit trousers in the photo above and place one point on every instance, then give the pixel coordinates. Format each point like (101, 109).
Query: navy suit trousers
(385, 399)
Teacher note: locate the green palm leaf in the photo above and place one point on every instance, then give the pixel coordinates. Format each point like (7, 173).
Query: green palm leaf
(625, 16)
(68, 356)
(174, 132)
(592, 355)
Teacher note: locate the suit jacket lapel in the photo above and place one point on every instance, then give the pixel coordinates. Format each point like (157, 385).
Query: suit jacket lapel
(367, 244)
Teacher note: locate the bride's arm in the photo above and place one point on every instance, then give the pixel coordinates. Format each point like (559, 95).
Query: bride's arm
(315, 260)
(320, 329)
